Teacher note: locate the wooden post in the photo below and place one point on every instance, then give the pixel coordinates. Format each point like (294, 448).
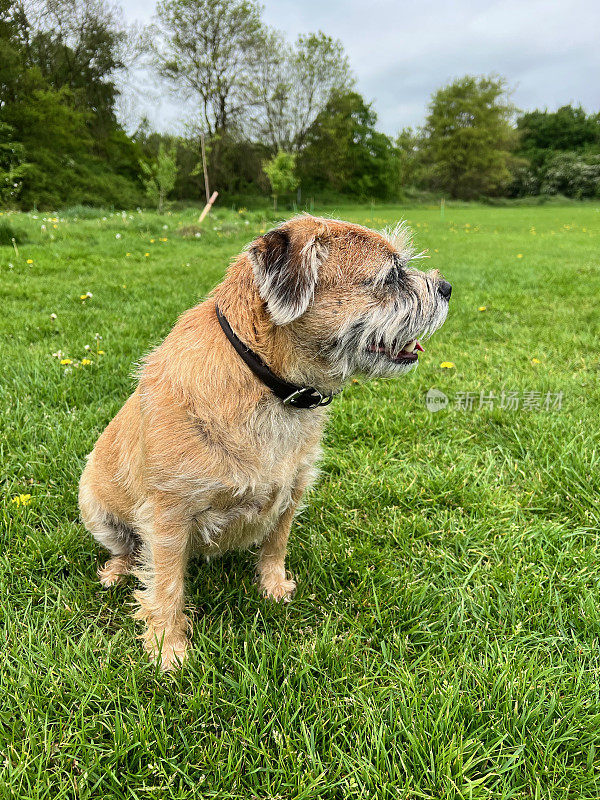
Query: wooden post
(208, 206)
(210, 198)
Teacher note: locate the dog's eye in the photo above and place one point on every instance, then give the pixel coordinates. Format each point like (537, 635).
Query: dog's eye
(394, 277)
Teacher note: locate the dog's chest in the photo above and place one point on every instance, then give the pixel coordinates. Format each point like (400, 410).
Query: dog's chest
(236, 523)
(242, 514)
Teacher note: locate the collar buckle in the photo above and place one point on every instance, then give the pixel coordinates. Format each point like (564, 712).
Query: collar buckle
(307, 397)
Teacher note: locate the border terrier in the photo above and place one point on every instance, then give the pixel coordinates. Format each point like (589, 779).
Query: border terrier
(215, 448)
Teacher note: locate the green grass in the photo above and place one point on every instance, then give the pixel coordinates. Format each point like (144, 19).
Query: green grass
(444, 639)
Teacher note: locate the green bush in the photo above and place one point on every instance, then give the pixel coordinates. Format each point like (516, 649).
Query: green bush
(573, 174)
(8, 234)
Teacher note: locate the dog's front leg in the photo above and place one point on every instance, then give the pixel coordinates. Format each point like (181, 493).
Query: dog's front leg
(162, 600)
(272, 579)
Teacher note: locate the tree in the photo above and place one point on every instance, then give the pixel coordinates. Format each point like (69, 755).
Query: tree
(12, 166)
(80, 45)
(469, 137)
(13, 69)
(280, 170)
(57, 96)
(245, 78)
(345, 153)
(62, 166)
(409, 153)
(252, 90)
(160, 175)
(568, 128)
(293, 85)
(207, 50)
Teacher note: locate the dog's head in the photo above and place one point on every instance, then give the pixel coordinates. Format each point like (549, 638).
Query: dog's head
(349, 295)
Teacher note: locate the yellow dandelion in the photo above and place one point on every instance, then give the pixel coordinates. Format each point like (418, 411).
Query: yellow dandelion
(519, 255)
(535, 361)
(152, 241)
(163, 239)
(21, 500)
(262, 230)
(482, 308)
(85, 362)
(447, 365)
(100, 352)
(30, 260)
(146, 254)
(65, 361)
(127, 254)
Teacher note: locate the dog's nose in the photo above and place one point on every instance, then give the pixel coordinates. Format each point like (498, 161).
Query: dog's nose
(445, 289)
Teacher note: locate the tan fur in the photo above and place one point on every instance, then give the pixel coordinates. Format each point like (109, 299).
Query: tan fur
(203, 458)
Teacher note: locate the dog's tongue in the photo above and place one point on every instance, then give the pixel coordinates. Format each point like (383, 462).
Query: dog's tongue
(420, 347)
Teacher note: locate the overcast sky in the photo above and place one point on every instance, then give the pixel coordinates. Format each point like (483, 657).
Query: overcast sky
(401, 52)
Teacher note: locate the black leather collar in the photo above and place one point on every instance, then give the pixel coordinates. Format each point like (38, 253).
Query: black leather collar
(289, 393)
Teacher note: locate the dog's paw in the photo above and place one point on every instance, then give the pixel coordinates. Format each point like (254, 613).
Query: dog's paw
(169, 654)
(281, 591)
(114, 572)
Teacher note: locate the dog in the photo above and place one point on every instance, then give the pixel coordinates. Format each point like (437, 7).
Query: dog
(215, 448)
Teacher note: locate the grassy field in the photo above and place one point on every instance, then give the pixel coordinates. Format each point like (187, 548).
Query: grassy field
(443, 642)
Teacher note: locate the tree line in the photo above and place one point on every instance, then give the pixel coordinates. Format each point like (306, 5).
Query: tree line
(279, 118)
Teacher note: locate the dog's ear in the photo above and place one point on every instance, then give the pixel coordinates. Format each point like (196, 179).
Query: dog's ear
(286, 266)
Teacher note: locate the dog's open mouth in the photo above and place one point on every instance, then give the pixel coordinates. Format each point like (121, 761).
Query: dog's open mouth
(399, 354)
